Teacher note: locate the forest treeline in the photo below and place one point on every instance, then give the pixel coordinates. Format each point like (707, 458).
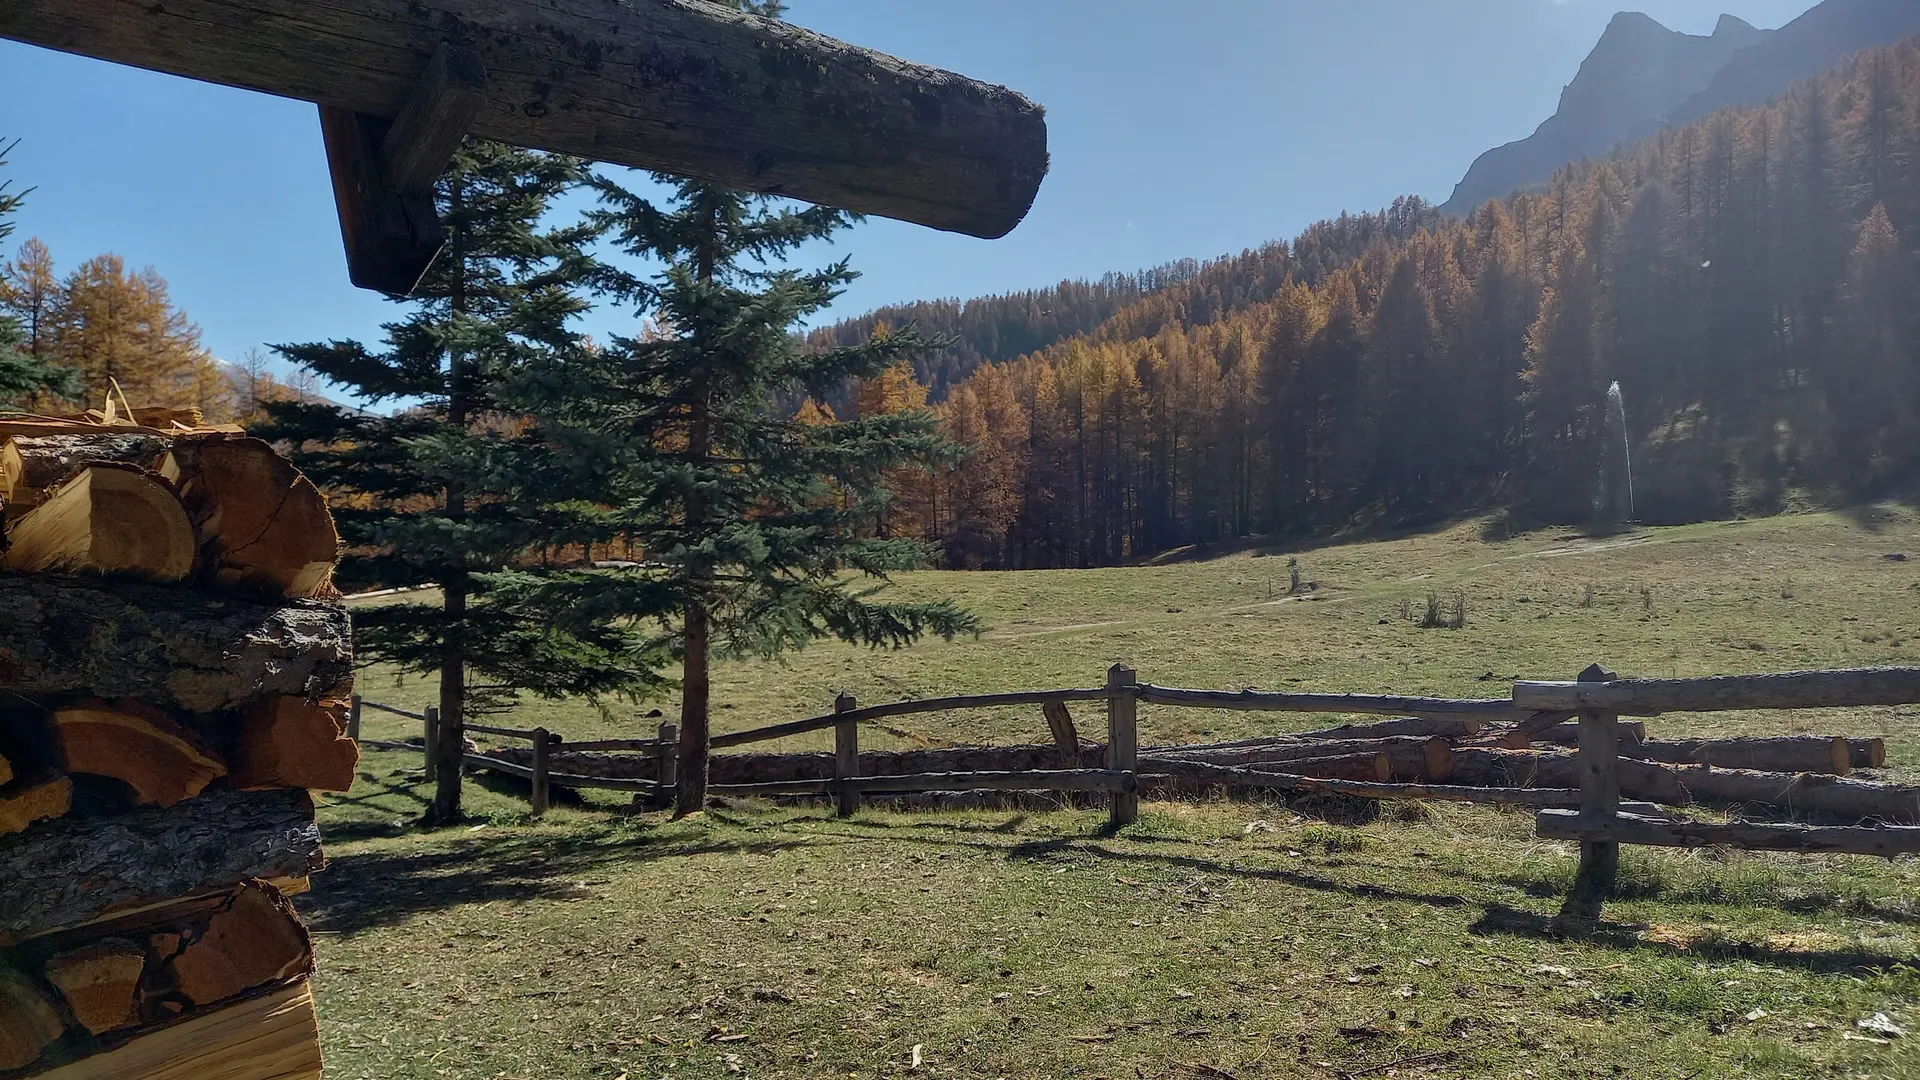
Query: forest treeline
(1749, 280)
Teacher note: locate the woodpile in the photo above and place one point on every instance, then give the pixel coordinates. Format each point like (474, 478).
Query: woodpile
(174, 665)
(1451, 757)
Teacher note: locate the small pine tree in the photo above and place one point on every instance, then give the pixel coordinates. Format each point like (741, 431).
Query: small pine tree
(446, 490)
(752, 518)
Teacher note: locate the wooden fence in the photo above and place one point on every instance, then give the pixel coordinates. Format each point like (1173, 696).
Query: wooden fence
(1592, 814)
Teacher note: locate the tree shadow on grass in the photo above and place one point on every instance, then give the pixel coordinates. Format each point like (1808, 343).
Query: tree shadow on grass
(1501, 920)
(383, 886)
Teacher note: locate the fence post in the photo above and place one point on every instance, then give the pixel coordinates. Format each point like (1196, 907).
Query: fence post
(846, 754)
(666, 767)
(353, 719)
(1123, 740)
(432, 741)
(1599, 762)
(542, 756)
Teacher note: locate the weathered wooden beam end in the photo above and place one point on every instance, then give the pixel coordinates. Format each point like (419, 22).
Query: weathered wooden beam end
(384, 171)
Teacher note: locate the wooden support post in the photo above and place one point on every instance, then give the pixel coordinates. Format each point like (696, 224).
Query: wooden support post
(353, 719)
(666, 765)
(542, 754)
(846, 754)
(432, 743)
(1123, 740)
(1599, 764)
(438, 112)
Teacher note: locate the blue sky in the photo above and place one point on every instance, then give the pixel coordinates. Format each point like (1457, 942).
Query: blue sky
(1178, 128)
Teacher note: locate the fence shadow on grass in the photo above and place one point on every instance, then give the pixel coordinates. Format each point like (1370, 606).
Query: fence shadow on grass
(382, 886)
(1501, 920)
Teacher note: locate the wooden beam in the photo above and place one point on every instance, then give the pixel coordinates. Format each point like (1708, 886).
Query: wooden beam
(1632, 829)
(1784, 690)
(391, 238)
(680, 86)
(443, 105)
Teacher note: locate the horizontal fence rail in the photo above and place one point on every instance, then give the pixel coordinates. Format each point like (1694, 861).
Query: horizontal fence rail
(1716, 693)
(1374, 704)
(1106, 780)
(905, 708)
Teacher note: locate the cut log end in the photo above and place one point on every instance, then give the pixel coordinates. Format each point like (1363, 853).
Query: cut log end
(34, 800)
(255, 941)
(99, 983)
(29, 1022)
(163, 762)
(295, 743)
(264, 526)
(106, 519)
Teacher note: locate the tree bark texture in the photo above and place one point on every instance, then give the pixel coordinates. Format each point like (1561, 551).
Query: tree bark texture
(679, 86)
(170, 647)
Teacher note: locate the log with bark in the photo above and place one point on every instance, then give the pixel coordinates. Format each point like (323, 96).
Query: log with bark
(1867, 753)
(105, 519)
(25, 802)
(263, 526)
(75, 870)
(72, 636)
(1668, 785)
(1788, 753)
(31, 464)
(1412, 757)
(1446, 727)
(1811, 793)
(162, 761)
(296, 743)
(1886, 841)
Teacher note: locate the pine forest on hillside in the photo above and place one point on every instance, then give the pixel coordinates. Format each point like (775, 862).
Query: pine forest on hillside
(1746, 279)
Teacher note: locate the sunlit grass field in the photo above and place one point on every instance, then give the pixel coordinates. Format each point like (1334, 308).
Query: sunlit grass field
(1315, 939)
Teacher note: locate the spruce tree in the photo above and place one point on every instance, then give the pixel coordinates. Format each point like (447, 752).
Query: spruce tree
(444, 491)
(24, 377)
(755, 521)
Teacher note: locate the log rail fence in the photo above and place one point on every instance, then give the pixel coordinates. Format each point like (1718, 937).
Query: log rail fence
(1592, 813)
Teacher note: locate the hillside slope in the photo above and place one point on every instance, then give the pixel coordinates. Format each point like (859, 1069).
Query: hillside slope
(1802, 49)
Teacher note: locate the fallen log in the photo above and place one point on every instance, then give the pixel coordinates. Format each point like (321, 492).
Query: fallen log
(1812, 793)
(163, 762)
(1789, 753)
(1632, 733)
(275, 1036)
(29, 801)
(1668, 785)
(1867, 753)
(1446, 727)
(80, 637)
(105, 519)
(1411, 757)
(75, 870)
(692, 89)
(99, 982)
(30, 464)
(263, 526)
(1374, 768)
(1752, 836)
(294, 743)
(29, 1022)
(253, 941)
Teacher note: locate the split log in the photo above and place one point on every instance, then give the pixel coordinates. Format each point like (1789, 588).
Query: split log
(291, 742)
(275, 1036)
(76, 870)
(30, 464)
(99, 982)
(1412, 757)
(692, 89)
(1867, 753)
(1668, 785)
(163, 762)
(71, 636)
(1829, 796)
(29, 1022)
(30, 801)
(254, 941)
(1789, 753)
(263, 525)
(1886, 841)
(6, 771)
(106, 519)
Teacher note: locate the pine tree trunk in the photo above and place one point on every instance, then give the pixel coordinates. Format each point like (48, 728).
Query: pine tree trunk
(453, 662)
(690, 795)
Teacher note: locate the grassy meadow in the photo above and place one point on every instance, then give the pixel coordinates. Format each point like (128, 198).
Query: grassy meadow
(1306, 939)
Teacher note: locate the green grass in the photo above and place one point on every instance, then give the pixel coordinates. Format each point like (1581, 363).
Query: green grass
(1259, 940)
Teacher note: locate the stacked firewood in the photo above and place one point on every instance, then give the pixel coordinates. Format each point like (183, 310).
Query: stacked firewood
(1453, 757)
(175, 669)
